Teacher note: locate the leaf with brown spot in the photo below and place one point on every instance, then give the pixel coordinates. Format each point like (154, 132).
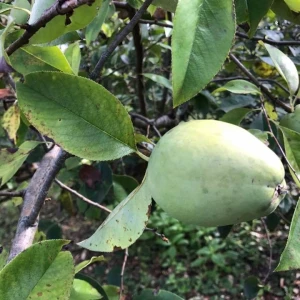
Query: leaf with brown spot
(11, 122)
(35, 268)
(103, 134)
(132, 216)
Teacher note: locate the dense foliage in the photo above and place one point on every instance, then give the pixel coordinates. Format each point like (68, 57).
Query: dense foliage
(88, 88)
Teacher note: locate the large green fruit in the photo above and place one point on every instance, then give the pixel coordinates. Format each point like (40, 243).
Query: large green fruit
(292, 121)
(212, 173)
(293, 5)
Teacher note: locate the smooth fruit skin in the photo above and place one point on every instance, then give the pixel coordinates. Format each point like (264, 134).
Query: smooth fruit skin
(212, 173)
(292, 121)
(293, 5)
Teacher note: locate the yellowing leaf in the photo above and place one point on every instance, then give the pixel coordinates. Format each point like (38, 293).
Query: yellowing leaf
(11, 122)
(271, 110)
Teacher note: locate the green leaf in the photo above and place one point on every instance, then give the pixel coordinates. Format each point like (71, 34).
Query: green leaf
(140, 138)
(11, 122)
(200, 44)
(73, 55)
(93, 29)
(169, 5)
(21, 12)
(5, 8)
(292, 150)
(271, 110)
(11, 162)
(290, 257)
(123, 186)
(93, 283)
(251, 287)
(124, 225)
(4, 59)
(261, 135)
(88, 262)
(112, 292)
(239, 87)
(81, 17)
(159, 79)
(236, 115)
(281, 9)
(257, 10)
(85, 119)
(3, 258)
(285, 67)
(241, 9)
(135, 3)
(43, 272)
(236, 101)
(35, 58)
(149, 294)
(82, 290)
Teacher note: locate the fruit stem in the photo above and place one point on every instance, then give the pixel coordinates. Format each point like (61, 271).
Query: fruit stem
(141, 155)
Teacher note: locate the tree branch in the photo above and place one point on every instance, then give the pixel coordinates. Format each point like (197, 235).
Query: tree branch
(137, 39)
(118, 39)
(56, 9)
(167, 70)
(65, 187)
(34, 199)
(285, 106)
(268, 41)
(12, 194)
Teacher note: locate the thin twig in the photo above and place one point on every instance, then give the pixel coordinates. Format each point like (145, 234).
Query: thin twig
(161, 235)
(65, 187)
(285, 106)
(155, 22)
(54, 10)
(167, 70)
(283, 218)
(12, 194)
(118, 39)
(139, 50)
(122, 273)
(270, 250)
(266, 40)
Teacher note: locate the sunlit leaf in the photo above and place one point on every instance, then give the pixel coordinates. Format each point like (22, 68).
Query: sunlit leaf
(200, 44)
(58, 26)
(239, 87)
(11, 122)
(93, 29)
(73, 55)
(285, 67)
(35, 58)
(88, 262)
